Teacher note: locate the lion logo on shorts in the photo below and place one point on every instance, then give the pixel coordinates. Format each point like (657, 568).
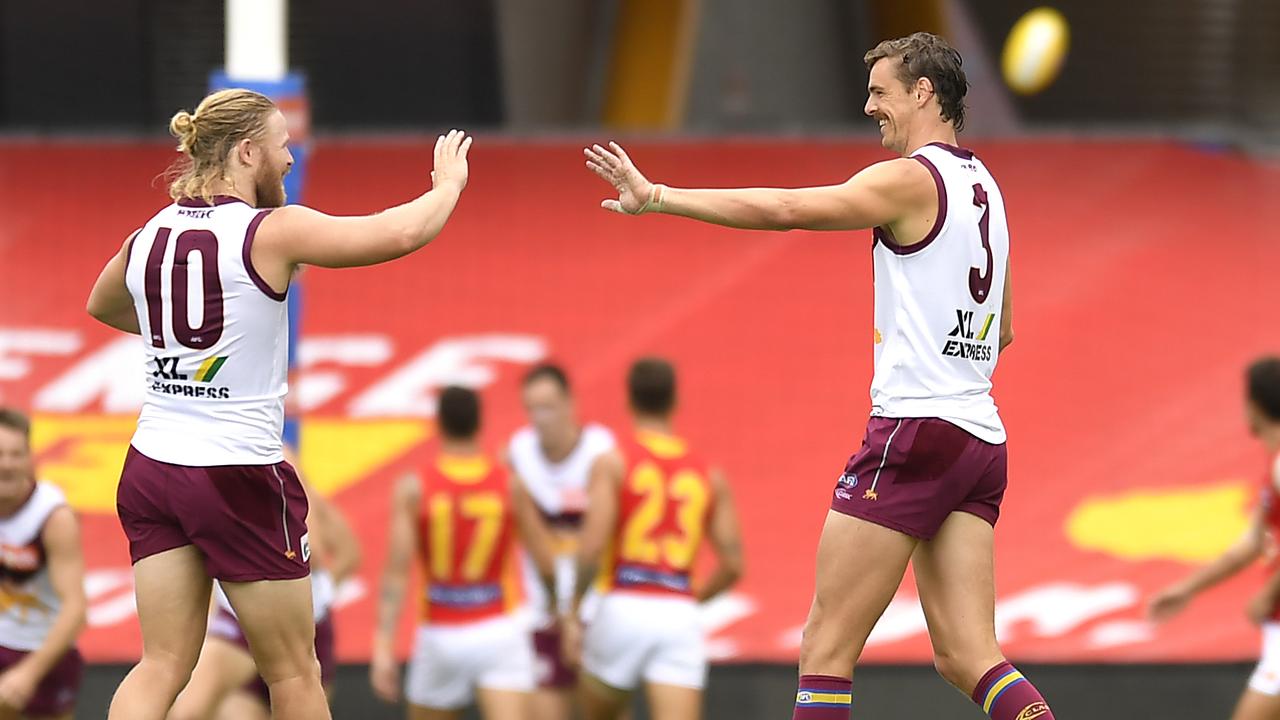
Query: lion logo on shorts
(1034, 710)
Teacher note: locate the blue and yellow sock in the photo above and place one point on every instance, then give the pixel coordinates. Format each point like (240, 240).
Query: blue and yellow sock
(823, 697)
(1004, 694)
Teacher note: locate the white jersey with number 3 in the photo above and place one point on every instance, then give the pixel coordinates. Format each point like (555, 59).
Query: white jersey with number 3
(215, 335)
(938, 303)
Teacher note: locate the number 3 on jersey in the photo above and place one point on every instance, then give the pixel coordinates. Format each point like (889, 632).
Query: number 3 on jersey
(980, 280)
(675, 547)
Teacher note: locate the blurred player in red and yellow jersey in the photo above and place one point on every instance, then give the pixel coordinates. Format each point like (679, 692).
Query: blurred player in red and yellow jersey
(651, 505)
(1261, 699)
(470, 645)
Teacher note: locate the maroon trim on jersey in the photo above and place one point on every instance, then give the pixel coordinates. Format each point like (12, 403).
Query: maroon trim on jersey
(883, 235)
(565, 520)
(962, 153)
(248, 259)
(199, 202)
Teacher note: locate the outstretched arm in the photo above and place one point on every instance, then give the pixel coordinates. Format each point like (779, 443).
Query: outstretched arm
(726, 541)
(110, 302)
(881, 194)
(1173, 599)
(297, 235)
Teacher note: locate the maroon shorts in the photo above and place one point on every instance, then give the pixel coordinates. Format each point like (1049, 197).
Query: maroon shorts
(249, 521)
(911, 473)
(224, 625)
(56, 693)
(552, 672)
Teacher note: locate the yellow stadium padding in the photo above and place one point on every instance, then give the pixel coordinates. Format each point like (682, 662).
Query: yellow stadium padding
(648, 75)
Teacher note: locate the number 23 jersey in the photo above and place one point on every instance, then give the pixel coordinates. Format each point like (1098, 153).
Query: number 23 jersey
(665, 505)
(938, 303)
(215, 337)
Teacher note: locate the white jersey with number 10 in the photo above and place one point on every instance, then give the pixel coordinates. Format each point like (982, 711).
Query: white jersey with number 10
(938, 303)
(215, 336)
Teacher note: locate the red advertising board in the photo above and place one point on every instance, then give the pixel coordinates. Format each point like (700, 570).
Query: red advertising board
(1144, 277)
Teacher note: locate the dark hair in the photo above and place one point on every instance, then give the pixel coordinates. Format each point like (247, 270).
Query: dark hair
(651, 386)
(927, 55)
(1263, 381)
(15, 420)
(459, 413)
(549, 371)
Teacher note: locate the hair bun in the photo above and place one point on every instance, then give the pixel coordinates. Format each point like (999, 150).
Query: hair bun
(183, 127)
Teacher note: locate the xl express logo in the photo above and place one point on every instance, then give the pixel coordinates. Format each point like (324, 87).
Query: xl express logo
(966, 343)
(167, 369)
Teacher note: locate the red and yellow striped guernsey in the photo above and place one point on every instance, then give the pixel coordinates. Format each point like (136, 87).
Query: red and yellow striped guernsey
(664, 507)
(466, 537)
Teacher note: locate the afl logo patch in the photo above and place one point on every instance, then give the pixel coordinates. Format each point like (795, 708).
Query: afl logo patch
(804, 696)
(305, 545)
(849, 480)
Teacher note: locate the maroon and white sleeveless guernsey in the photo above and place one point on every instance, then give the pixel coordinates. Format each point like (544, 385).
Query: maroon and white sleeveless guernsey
(559, 489)
(215, 336)
(28, 604)
(938, 303)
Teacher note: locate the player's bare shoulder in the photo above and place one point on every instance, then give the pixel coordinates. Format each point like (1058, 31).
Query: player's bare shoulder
(907, 192)
(283, 225)
(609, 466)
(904, 180)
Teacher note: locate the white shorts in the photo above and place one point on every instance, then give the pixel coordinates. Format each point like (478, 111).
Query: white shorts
(655, 639)
(450, 662)
(1266, 677)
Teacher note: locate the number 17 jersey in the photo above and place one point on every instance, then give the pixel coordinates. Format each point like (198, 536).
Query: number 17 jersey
(938, 303)
(466, 542)
(215, 338)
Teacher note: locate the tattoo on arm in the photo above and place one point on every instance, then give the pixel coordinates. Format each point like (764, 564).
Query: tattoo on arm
(392, 594)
